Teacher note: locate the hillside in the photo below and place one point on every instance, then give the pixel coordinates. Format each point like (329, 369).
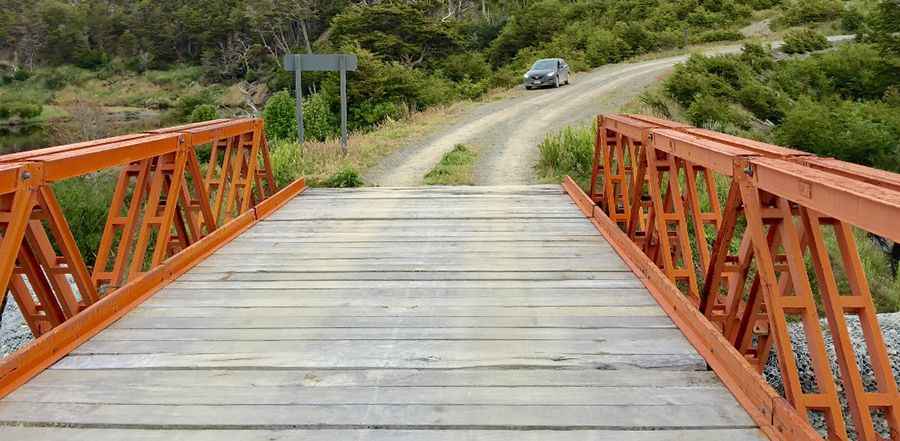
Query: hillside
(122, 64)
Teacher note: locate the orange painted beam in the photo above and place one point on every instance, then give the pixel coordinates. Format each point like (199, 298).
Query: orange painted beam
(9, 177)
(69, 164)
(873, 208)
(19, 367)
(776, 418)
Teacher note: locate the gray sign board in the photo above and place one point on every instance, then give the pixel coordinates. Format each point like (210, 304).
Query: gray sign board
(320, 62)
(342, 63)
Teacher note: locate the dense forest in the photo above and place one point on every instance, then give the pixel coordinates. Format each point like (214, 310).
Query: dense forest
(175, 56)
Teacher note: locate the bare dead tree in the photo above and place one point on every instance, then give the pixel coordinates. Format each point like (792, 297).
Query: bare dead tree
(282, 25)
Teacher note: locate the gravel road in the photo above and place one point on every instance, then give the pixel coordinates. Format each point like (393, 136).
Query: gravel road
(508, 131)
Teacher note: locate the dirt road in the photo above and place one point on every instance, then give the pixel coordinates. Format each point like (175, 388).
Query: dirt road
(508, 131)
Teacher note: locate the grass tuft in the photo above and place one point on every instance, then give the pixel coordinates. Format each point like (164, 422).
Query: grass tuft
(346, 177)
(455, 168)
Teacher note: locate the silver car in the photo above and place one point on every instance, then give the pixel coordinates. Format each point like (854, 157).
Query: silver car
(547, 72)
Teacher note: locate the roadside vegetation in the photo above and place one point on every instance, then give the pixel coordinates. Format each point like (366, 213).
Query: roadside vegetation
(157, 62)
(456, 167)
(569, 152)
(840, 103)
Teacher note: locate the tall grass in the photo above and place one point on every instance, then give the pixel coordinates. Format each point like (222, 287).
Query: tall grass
(567, 152)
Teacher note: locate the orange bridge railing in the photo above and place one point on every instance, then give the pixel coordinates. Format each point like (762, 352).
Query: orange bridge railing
(180, 193)
(725, 229)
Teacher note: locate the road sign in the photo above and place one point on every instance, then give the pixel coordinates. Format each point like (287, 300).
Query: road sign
(320, 62)
(299, 63)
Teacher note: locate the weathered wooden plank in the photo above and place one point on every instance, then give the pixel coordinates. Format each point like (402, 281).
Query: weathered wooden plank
(288, 247)
(653, 342)
(610, 283)
(286, 322)
(105, 392)
(414, 275)
(410, 311)
(655, 378)
(432, 224)
(78, 434)
(534, 203)
(339, 298)
(430, 214)
(398, 252)
(360, 416)
(435, 236)
(639, 340)
(438, 189)
(276, 360)
(499, 264)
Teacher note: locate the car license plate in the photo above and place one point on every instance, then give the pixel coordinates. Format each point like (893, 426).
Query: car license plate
(536, 82)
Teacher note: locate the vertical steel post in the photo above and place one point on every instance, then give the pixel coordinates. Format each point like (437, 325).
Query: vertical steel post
(298, 86)
(343, 69)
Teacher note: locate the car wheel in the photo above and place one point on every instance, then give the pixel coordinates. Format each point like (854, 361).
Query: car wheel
(527, 87)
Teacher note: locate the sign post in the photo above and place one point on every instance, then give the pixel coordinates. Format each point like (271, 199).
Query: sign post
(298, 63)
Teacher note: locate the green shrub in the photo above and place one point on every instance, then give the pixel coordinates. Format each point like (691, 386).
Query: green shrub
(204, 112)
(709, 111)
(655, 103)
(21, 75)
(92, 59)
(435, 90)
(762, 101)
(19, 109)
(382, 90)
(803, 12)
(538, 19)
(319, 122)
(801, 41)
(884, 283)
(370, 113)
(853, 20)
(58, 77)
(185, 105)
(703, 76)
(286, 160)
(567, 152)
(467, 65)
(757, 57)
(856, 71)
(85, 202)
(603, 47)
(717, 35)
(864, 133)
(280, 116)
(346, 177)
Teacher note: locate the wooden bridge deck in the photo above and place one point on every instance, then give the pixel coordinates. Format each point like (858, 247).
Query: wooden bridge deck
(487, 313)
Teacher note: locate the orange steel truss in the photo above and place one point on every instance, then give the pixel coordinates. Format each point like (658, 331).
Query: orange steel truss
(163, 203)
(166, 214)
(733, 224)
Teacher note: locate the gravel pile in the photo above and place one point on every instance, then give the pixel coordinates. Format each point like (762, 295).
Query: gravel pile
(14, 333)
(890, 326)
